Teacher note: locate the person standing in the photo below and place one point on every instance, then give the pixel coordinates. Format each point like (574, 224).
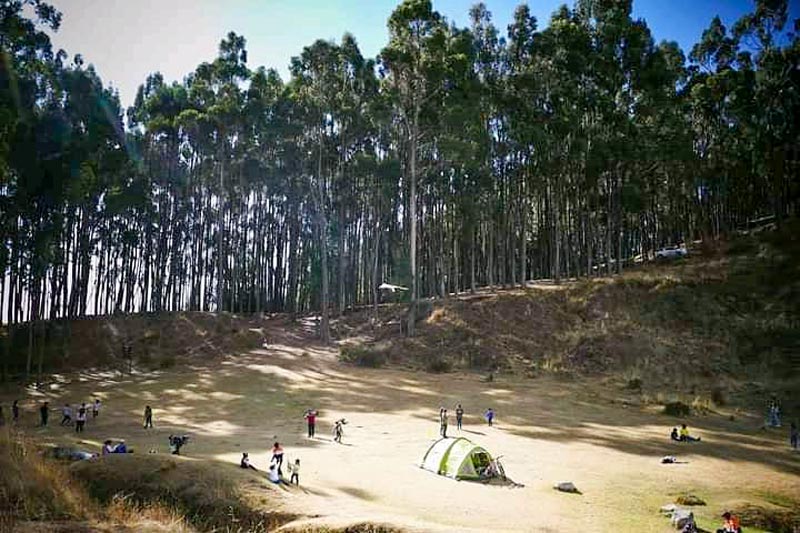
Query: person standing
(489, 415)
(44, 413)
(148, 417)
(459, 416)
(66, 415)
(2, 417)
(793, 436)
(311, 418)
(774, 412)
(443, 422)
(80, 420)
(277, 457)
(15, 411)
(295, 470)
(96, 408)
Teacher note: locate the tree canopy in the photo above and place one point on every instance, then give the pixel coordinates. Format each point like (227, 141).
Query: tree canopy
(458, 158)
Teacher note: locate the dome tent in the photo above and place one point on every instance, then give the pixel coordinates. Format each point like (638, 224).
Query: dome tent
(456, 458)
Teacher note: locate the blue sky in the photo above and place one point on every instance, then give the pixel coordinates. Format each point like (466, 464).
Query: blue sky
(127, 39)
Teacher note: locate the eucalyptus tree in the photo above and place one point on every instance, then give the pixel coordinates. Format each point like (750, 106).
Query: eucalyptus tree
(413, 65)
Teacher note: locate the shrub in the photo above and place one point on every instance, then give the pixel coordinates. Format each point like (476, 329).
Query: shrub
(362, 356)
(439, 365)
(677, 409)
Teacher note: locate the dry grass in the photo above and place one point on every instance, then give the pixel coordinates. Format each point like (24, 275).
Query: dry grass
(203, 493)
(41, 493)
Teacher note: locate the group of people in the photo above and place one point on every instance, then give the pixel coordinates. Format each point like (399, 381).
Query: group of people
(444, 419)
(275, 471)
(683, 435)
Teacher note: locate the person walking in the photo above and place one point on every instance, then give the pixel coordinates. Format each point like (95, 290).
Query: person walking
(66, 415)
(311, 418)
(15, 411)
(44, 413)
(489, 415)
(80, 420)
(96, 408)
(148, 417)
(443, 422)
(459, 416)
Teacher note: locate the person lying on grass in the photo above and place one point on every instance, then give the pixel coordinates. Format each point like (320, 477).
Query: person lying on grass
(685, 437)
(245, 462)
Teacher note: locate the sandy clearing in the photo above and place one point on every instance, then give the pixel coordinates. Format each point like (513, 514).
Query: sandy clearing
(547, 431)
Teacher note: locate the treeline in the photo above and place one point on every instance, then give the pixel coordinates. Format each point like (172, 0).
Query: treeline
(458, 158)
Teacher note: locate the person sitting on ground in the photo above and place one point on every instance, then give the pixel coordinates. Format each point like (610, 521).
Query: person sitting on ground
(107, 448)
(121, 447)
(294, 469)
(674, 435)
(793, 436)
(245, 462)
(730, 524)
(684, 435)
(273, 474)
(176, 442)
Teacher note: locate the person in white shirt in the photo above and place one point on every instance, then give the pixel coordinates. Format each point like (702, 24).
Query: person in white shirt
(107, 448)
(273, 474)
(96, 408)
(66, 415)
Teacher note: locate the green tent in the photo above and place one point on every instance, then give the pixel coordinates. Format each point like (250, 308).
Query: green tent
(456, 458)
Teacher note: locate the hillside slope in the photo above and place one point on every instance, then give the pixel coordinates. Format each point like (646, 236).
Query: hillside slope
(722, 323)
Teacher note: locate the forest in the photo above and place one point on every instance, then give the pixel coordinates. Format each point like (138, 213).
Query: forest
(457, 158)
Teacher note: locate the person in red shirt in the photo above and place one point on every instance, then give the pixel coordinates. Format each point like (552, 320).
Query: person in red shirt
(311, 418)
(731, 524)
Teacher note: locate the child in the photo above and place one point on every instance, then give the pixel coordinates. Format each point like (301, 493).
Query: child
(245, 462)
(793, 436)
(148, 417)
(96, 408)
(489, 416)
(80, 421)
(338, 430)
(107, 448)
(66, 415)
(295, 470)
(674, 434)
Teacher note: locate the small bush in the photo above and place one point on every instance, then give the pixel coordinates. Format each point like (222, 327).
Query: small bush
(718, 397)
(362, 356)
(439, 365)
(167, 361)
(689, 499)
(634, 384)
(677, 409)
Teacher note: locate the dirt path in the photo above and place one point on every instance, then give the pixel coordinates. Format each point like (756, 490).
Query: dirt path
(547, 431)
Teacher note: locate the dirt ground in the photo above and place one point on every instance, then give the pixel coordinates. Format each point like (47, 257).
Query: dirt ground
(547, 431)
